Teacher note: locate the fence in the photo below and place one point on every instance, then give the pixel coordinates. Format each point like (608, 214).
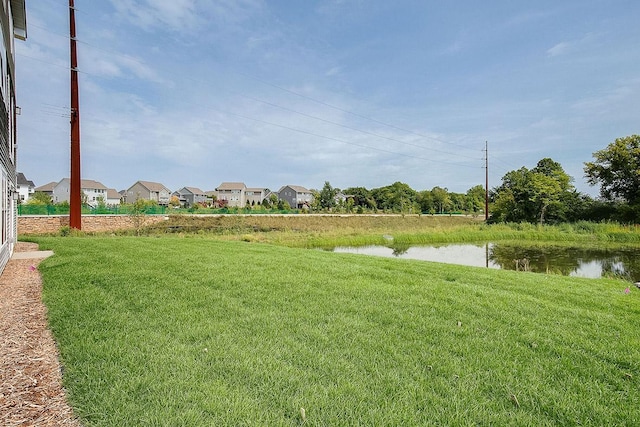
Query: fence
(48, 210)
(88, 210)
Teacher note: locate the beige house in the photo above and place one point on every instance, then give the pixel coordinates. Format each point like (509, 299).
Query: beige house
(255, 196)
(233, 193)
(46, 189)
(148, 190)
(113, 197)
(239, 195)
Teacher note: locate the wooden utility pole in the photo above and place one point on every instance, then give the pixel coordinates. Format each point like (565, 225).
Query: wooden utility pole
(486, 183)
(75, 201)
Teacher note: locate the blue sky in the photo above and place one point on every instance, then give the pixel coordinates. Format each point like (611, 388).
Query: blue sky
(354, 92)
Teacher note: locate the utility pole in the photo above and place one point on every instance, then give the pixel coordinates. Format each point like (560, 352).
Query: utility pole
(486, 184)
(75, 201)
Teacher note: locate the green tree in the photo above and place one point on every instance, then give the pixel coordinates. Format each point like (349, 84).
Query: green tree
(327, 196)
(283, 205)
(553, 169)
(441, 199)
(532, 195)
(425, 201)
(361, 196)
(39, 198)
(545, 191)
(458, 201)
(397, 197)
(475, 200)
(617, 170)
(174, 202)
(315, 200)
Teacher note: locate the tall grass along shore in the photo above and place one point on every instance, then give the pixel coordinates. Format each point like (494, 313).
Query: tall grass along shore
(355, 230)
(198, 330)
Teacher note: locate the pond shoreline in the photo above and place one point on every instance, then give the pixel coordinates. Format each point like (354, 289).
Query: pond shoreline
(575, 260)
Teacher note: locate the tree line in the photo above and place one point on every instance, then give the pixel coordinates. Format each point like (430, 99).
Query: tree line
(398, 198)
(543, 194)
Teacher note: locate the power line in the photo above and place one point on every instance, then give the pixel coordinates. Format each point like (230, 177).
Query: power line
(337, 139)
(130, 58)
(348, 111)
(300, 130)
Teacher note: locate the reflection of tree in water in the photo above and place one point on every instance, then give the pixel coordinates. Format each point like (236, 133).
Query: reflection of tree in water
(618, 262)
(625, 264)
(541, 259)
(613, 267)
(399, 250)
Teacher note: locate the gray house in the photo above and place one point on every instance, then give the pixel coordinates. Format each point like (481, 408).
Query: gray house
(190, 196)
(148, 190)
(297, 196)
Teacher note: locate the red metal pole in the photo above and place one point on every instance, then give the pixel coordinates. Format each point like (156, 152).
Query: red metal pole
(75, 201)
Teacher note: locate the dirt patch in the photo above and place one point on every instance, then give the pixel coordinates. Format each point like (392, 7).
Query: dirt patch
(31, 392)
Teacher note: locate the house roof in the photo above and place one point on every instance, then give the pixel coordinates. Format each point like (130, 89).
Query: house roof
(112, 193)
(195, 190)
(231, 186)
(47, 188)
(296, 188)
(152, 186)
(85, 184)
(255, 189)
(91, 184)
(22, 180)
(19, 13)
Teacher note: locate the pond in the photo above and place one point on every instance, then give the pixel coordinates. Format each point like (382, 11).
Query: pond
(622, 262)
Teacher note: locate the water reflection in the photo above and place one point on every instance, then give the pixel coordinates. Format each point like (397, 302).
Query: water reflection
(623, 262)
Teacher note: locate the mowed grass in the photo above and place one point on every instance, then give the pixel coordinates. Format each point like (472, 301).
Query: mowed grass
(170, 331)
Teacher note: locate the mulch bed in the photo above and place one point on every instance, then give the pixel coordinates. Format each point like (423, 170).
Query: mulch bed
(31, 392)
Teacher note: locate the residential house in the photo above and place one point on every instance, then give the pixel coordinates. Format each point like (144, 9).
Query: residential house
(113, 197)
(255, 196)
(24, 187)
(269, 194)
(342, 198)
(297, 196)
(190, 196)
(13, 23)
(92, 191)
(148, 190)
(46, 189)
(233, 193)
(211, 194)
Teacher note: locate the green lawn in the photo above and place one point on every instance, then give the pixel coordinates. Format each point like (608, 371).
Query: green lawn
(201, 332)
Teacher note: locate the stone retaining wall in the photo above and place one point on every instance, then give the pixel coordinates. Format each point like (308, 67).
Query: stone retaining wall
(34, 224)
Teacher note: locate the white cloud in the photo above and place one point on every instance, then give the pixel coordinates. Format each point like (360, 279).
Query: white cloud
(176, 14)
(559, 49)
(585, 43)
